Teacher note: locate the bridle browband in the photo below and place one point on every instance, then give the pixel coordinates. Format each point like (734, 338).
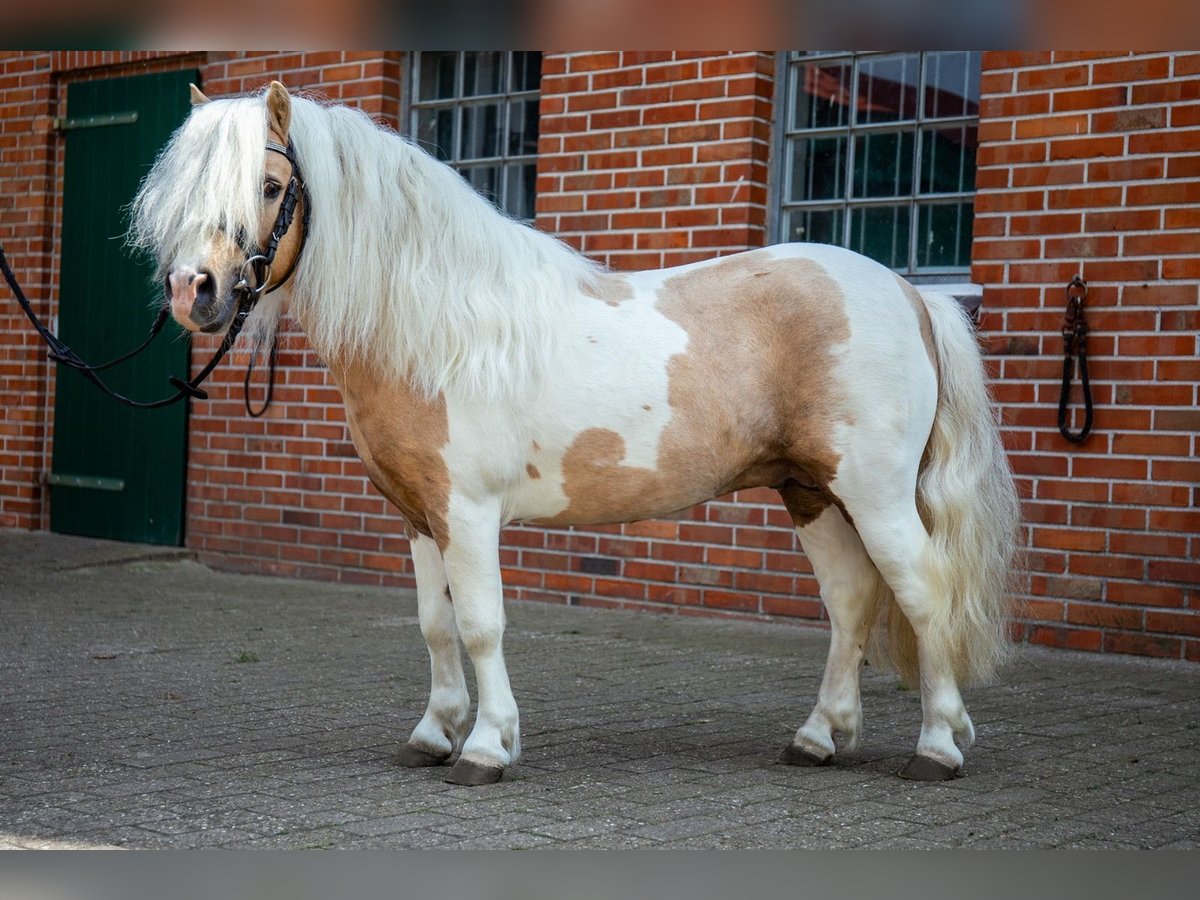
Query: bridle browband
(258, 264)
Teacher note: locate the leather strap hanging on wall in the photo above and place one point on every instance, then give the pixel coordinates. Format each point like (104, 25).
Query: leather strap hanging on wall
(1075, 332)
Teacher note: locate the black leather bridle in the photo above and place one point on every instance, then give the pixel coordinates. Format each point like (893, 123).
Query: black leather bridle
(247, 294)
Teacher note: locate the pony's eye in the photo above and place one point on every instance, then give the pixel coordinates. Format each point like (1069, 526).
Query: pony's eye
(271, 190)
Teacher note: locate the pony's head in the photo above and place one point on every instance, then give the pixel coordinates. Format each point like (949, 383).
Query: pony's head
(211, 201)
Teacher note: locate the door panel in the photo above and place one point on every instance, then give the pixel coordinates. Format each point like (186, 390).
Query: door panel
(118, 472)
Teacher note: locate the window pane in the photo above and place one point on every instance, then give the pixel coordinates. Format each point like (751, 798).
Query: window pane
(519, 197)
(482, 73)
(435, 131)
(522, 128)
(883, 164)
(437, 75)
(527, 71)
(817, 226)
(944, 235)
(951, 84)
(481, 131)
(822, 95)
(881, 232)
(818, 168)
(486, 180)
(887, 88)
(948, 159)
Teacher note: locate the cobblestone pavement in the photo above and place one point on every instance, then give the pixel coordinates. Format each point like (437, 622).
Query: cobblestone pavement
(147, 701)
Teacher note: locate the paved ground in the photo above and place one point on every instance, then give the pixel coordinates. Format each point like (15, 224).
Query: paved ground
(146, 701)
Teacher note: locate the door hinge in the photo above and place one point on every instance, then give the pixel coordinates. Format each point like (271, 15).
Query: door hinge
(65, 123)
(95, 482)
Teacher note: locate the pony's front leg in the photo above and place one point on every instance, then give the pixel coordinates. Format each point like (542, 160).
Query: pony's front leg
(444, 725)
(472, 559)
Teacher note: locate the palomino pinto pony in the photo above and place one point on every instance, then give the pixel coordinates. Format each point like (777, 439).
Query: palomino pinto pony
(492, 375)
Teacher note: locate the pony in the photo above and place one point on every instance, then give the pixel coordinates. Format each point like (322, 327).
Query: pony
(491, 374)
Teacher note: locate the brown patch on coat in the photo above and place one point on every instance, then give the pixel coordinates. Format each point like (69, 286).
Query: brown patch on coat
(923, 320)
(532, 471)
(610, 287)
(753, 399)
(399, 436)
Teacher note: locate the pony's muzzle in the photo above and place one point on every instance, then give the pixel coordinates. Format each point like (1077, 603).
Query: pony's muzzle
(193, 299)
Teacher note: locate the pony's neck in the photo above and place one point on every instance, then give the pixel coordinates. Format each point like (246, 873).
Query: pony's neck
(410, 272)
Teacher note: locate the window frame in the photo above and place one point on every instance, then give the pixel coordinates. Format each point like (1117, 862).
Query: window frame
(788, 66)
(457, 102)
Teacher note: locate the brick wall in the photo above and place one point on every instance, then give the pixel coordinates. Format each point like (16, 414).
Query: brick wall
(26, 194)
(1090, 163)
(652, 159)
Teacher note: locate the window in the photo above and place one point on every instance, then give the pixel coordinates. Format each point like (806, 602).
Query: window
(878, 155)
(479, 112)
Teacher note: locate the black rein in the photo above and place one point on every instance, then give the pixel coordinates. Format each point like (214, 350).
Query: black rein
(247, 295)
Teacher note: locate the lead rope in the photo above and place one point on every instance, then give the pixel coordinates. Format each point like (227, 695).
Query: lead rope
(1075, 332)
(61, 353)
(246, 294)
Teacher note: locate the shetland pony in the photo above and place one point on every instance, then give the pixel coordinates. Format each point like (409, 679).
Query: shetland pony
(493, 375)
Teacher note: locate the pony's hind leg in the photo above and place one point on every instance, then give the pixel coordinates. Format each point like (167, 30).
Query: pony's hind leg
(901, 548)
(849, 584)
(444, 726)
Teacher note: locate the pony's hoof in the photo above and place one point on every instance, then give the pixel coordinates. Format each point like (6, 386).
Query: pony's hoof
(415, 758)
(473, 774)
(798, 756)
(925, 768)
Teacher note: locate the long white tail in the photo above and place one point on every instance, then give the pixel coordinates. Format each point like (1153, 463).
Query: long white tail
(967, 499)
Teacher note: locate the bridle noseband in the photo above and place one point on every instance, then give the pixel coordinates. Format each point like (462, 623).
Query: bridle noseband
(257, 264)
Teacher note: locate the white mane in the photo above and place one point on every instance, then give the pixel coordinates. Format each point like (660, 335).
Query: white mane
(406, 268)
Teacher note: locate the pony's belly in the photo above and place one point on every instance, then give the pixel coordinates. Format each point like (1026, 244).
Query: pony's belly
(595, 483)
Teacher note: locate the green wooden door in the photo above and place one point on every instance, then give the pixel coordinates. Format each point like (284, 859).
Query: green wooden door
(118, 472)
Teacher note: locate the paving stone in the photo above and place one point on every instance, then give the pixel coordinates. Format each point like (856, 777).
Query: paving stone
(127, 721)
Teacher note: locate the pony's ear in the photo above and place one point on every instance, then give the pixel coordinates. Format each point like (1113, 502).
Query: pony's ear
(279, 109)
(198, 98)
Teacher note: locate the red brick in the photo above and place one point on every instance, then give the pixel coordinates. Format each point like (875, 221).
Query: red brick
(1125, 170)
(1142, 645)
(996, 59)
(1047, 126)
(1136, 69)
(1104, 616)
(1167, 91)
(1177, 140)
(1086, 147)
(1122, 220)
(1066, 638)
(1145, 594)
(591, 62)
(1060, 76)
(1173, 622)
(1148, 544)
(1159, 194)
(1090, 98)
